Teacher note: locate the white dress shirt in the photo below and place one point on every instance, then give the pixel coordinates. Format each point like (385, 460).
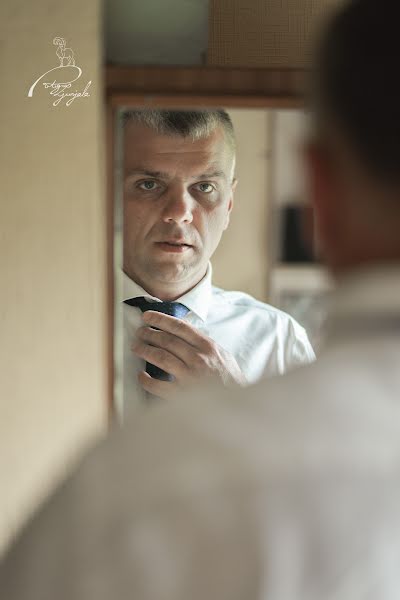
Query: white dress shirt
(291, 495)
(264, 340)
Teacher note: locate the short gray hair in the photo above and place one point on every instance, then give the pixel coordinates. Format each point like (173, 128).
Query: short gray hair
(196, 124)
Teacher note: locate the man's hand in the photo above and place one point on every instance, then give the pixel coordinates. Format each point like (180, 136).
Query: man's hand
(184, 352)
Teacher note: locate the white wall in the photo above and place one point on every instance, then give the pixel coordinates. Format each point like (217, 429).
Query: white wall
(241, 261)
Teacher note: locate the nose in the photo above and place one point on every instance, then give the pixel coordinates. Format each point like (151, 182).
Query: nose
(178, 207)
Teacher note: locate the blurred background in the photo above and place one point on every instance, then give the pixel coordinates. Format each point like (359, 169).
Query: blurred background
(58, 216)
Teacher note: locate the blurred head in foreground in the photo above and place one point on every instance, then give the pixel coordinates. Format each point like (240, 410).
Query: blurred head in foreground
(353, 157)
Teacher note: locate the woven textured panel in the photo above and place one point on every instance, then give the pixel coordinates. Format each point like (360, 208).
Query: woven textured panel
(264, 33)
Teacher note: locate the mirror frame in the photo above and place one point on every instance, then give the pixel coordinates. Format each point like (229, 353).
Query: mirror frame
(197, 86)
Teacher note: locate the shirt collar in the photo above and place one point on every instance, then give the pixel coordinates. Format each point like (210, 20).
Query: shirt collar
(131, 289)
(197, 299)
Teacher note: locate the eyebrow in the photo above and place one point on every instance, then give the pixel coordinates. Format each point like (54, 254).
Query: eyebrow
(163, 175)
(147, 173)
(211, 175)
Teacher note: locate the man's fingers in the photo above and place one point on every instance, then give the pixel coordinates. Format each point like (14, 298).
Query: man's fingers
(162, 389)
(176, 327)
(167, 341)
(160, 358)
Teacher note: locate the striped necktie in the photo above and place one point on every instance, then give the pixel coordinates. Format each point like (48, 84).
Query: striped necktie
(174, 309)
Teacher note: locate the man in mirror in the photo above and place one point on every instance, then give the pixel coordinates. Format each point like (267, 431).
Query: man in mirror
(179, 186)
(295, 493)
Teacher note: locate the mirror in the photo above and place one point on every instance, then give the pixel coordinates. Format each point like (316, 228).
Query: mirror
(261, 253)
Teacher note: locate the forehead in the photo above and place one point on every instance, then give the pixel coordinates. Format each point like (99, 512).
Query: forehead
(144, 147)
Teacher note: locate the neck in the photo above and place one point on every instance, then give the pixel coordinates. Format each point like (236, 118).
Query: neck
(342, 268)
(363, 249)
(166, 291)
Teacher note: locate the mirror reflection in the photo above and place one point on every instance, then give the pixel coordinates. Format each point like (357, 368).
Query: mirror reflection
(215, 270)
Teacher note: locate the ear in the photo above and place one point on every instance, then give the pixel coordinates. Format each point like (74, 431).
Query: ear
(324, 198)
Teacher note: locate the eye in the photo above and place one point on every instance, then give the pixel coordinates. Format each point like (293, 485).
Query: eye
(205, 188)
(148, 185)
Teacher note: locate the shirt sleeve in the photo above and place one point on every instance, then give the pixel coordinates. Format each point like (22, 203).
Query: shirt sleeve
(298, 350)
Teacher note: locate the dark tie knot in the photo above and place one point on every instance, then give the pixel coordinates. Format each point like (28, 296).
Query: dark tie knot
(174, 309)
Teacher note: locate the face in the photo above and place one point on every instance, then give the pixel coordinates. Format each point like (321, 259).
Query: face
(178, 195)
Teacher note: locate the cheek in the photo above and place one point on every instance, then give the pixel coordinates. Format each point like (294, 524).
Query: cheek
(136, 219)
(213, 224)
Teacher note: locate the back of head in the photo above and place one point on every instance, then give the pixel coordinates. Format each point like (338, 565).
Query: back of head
(356, 83)
(354, 159)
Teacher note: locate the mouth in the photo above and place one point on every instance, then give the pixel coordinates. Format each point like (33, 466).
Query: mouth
(174, 246)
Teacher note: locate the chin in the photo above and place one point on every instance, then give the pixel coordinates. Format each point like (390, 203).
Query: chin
(174, 271)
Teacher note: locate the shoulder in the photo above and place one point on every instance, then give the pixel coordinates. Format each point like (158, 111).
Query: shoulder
(265, 324)
(246, 302)
(237, 298)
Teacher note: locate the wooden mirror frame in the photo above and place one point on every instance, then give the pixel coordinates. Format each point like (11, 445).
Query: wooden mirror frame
(198, 86)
